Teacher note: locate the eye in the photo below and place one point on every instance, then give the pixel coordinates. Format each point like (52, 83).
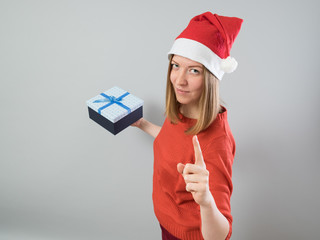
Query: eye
(174, 65)
(195, 71)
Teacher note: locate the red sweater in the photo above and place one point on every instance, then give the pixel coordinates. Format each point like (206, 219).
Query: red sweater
(174, 207)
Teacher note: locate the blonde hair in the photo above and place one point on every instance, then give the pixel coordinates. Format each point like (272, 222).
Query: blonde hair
(209, 102)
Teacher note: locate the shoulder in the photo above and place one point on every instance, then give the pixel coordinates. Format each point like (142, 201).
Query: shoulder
(218, 138)
(219, 128)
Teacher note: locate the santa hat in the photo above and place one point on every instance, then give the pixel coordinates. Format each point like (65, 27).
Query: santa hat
(208, 40)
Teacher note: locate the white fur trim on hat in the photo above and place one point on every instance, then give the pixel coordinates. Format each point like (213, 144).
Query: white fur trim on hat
(198, 52)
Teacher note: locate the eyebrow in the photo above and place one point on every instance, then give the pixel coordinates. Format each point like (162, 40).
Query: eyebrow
(199, 66)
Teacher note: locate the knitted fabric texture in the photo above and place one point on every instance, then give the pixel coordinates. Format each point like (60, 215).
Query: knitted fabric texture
(174, 207)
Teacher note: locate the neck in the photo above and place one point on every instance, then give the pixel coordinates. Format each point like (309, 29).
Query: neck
(190, 111)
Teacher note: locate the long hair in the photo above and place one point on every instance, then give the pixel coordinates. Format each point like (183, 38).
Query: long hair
(209, 102)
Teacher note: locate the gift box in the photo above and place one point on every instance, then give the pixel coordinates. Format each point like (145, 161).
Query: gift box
(115, 109)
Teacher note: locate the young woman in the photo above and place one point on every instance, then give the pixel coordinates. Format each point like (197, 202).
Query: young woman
(194, 149)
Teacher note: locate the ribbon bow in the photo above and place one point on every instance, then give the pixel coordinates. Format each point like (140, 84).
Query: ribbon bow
(112, 100)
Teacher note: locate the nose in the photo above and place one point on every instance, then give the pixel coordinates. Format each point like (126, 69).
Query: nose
(181, 78)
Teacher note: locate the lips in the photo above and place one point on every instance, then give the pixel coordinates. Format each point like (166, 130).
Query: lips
(181, 91)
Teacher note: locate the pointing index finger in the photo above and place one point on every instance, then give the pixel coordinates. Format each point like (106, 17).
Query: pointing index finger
(197, 152)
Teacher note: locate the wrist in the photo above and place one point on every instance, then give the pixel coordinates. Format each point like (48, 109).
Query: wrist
(142, 123)
(209, 204)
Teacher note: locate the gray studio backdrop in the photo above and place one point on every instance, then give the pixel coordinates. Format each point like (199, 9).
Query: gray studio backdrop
(63, 177)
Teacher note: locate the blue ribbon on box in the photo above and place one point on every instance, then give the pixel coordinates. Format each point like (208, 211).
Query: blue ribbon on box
(112, 100)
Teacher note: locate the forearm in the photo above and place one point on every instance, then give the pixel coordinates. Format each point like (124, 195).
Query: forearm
(213, 224)
(149, 128)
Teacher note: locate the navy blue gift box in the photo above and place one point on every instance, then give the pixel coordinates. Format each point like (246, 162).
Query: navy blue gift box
(115, 109)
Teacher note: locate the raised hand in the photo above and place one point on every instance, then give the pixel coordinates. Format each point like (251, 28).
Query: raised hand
(196, 176)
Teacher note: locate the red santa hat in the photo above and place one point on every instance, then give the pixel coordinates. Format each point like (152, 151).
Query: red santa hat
(208, 40)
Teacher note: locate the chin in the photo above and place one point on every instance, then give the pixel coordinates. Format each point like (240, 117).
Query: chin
(183, 101)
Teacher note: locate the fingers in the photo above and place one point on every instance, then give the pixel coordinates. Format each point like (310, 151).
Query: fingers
(196, 178)
(192, 169)
(137, 123)
(199, 162)
(197, 152)
(180, 168)
(189, 168)
(195, 187)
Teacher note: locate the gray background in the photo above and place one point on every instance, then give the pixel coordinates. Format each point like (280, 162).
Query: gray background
(64, 177)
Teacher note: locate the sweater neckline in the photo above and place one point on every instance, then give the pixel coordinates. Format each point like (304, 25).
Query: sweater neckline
(193, 121)
(187, 120)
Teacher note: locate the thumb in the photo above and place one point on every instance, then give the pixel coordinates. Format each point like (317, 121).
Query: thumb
(180, 167)
(197, 152)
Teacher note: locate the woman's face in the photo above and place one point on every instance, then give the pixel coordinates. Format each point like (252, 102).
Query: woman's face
(187, 78)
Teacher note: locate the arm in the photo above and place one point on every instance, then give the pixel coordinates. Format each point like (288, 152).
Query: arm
(214, 224)
(147, 127)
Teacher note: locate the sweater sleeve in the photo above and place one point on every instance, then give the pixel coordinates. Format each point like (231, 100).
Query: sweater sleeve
(218, 156)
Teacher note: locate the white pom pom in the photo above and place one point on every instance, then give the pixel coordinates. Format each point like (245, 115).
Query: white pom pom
(228, 65)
